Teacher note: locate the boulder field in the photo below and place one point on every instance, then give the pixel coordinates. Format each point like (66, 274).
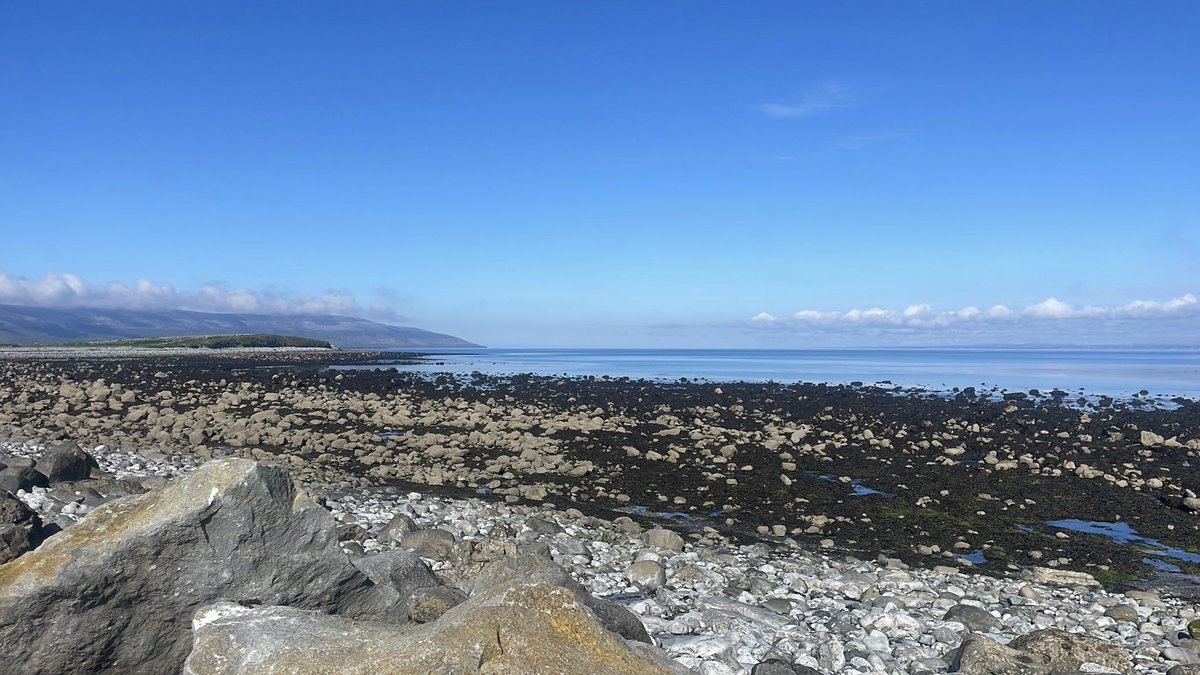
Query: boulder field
(229, 567)
(928, 477)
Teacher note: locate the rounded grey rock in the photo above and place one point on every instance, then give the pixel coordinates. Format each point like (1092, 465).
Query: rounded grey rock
(646, 574)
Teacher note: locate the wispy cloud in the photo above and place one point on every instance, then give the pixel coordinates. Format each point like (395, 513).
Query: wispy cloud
(924, 316)
(69, 290)
(821, 97)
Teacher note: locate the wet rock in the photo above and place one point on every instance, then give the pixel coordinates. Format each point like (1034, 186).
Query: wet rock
(115, 592)
(66, 461)
(521, 628)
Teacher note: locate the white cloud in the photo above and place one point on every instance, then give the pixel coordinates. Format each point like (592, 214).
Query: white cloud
(68, 290)
(821, 97)
(1145, 307)
(1050, 308)
(924, 316)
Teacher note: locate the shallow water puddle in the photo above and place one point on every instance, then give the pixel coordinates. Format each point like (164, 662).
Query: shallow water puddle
(974, 557)
(1122, 533)
(856, 484)
(667, 515)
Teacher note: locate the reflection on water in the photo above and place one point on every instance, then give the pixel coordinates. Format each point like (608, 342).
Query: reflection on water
(856, 484)
(974, 557)
(1122, 533)
(1111, 372)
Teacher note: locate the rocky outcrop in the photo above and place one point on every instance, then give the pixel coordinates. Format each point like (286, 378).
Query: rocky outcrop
(511, 628)
(116, 592)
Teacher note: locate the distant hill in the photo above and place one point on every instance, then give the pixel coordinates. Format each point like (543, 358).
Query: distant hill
(214, 342)
(44, 325)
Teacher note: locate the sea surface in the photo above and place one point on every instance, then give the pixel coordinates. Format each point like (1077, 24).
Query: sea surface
(1111, 372)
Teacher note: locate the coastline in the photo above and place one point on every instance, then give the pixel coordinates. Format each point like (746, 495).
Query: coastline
(962, 478)
(897, 506)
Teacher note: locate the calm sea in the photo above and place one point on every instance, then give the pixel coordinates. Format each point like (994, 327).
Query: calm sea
(1095, 372)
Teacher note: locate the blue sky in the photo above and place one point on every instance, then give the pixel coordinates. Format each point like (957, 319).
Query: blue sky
(616, 173)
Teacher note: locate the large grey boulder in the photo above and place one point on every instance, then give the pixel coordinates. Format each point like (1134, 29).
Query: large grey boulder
(66, 461)
(1069, 651)
(661, 538)
(435, 544)
(116, 592)
(511, 628)
(981, 655)
(1042, 651)
(538, 569)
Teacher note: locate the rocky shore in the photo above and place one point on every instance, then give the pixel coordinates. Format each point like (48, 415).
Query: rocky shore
(837, 529)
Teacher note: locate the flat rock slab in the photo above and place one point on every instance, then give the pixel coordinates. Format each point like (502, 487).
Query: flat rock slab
(512, 629)
(116, 592)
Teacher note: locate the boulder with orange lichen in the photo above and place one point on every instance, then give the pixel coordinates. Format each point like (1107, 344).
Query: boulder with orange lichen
(513, 628)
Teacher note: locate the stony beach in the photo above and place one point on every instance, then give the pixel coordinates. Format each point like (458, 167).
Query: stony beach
(749, 527)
